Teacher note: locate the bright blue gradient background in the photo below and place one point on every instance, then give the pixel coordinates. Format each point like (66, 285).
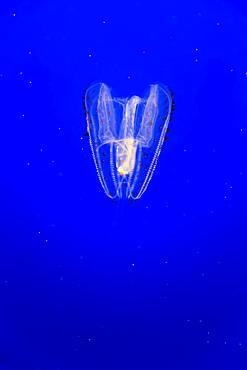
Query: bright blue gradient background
(90, 284)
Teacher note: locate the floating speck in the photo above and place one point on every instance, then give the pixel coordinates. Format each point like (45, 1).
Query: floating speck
(89, 55)
(14, 14)
(29, 52)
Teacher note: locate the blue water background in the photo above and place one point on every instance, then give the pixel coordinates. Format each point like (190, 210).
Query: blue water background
(91, 284)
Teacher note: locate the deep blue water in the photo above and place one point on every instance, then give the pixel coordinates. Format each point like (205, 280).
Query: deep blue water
(91, 284)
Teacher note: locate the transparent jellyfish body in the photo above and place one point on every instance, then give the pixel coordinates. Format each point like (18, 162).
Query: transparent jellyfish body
(126, 136)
